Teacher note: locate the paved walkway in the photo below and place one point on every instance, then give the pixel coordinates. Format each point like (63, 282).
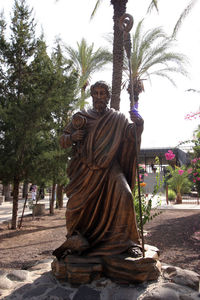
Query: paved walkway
(160, 203)
(6, 207)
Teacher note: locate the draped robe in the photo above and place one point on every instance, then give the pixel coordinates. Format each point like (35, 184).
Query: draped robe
(100, 204)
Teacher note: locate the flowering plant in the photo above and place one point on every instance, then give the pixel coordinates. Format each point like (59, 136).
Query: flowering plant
(148, 213)
(194, 172)
(180, 172)
(142, 172)
(192, 115)
(169, 155)
(178, 179)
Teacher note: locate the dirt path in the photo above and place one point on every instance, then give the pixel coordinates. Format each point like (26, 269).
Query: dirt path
(176, 233)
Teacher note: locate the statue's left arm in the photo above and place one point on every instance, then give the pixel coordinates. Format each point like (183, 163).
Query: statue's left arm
(135, 128)
(128, 151)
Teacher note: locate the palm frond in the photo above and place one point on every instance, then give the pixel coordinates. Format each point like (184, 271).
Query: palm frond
(193, 90)
(137, 36)
(86, 61)
(145, 49)
(166, 59)
(152, 54)
(182, 17)
(168, 70)
(153, 4)
(98, 3)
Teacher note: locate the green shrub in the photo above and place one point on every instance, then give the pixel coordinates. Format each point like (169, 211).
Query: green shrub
(148, 213)
(179, 181)
(171, 195)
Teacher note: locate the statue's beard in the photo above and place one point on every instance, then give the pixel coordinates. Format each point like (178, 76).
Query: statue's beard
(100, 106)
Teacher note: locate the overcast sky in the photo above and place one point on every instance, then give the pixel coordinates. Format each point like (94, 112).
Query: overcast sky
(162, 106)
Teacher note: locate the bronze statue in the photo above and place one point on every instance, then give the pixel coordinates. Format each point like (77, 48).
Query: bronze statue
(100, 216)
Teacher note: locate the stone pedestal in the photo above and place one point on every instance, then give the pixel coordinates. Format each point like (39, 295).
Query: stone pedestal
(129, 270)
(77, 270)
(121, 268)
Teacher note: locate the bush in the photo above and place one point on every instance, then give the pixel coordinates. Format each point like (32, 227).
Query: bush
(179, 181)
(171, 195)
(146, 205)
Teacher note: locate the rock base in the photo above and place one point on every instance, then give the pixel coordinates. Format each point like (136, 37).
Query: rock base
(120, 268)
(38, 282)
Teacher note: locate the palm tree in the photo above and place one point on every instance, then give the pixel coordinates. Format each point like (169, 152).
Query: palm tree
(85, 61)
(152, 55)
(119, 7)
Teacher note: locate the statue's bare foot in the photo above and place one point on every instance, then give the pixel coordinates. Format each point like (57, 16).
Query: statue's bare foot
(74, 243)
(135, 252)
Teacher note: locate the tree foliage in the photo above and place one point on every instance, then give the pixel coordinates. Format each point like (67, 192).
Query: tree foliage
(179, 181)
(152, 55)
(195, 162)
(119, 9)
(36, 95)
(86, 61)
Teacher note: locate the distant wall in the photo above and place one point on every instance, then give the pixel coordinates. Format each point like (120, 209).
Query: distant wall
(150, 181)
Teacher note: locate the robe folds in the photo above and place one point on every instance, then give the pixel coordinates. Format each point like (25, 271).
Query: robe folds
(102, 173)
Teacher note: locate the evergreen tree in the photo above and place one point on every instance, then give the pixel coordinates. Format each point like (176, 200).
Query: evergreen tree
(35, 96)
(51, 161)
(16, 54)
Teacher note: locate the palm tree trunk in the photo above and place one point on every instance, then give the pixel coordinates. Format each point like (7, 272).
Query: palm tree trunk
(119, 7)
(15, 203)
(178, 198)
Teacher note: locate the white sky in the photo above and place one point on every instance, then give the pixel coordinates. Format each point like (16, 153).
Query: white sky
(162, 106)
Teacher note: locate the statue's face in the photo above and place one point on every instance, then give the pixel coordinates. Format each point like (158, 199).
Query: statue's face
(100, 99)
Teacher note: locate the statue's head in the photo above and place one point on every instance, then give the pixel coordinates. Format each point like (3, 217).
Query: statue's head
(100, 93)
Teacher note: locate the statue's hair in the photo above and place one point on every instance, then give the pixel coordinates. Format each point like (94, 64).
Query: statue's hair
(102, 84)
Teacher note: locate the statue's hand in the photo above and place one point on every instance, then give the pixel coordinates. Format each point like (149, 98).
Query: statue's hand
(65, 141)
(78, 135)
(137, 119)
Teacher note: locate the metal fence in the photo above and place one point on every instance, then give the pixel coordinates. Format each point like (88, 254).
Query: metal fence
(187, 199)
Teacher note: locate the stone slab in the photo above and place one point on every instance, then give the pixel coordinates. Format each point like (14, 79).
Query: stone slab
(18, 275)
(182, 277)
(86, 293)
(43, 287)
(60, 293)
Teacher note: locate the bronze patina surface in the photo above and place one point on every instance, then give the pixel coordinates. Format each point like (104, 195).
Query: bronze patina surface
(100, 216)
